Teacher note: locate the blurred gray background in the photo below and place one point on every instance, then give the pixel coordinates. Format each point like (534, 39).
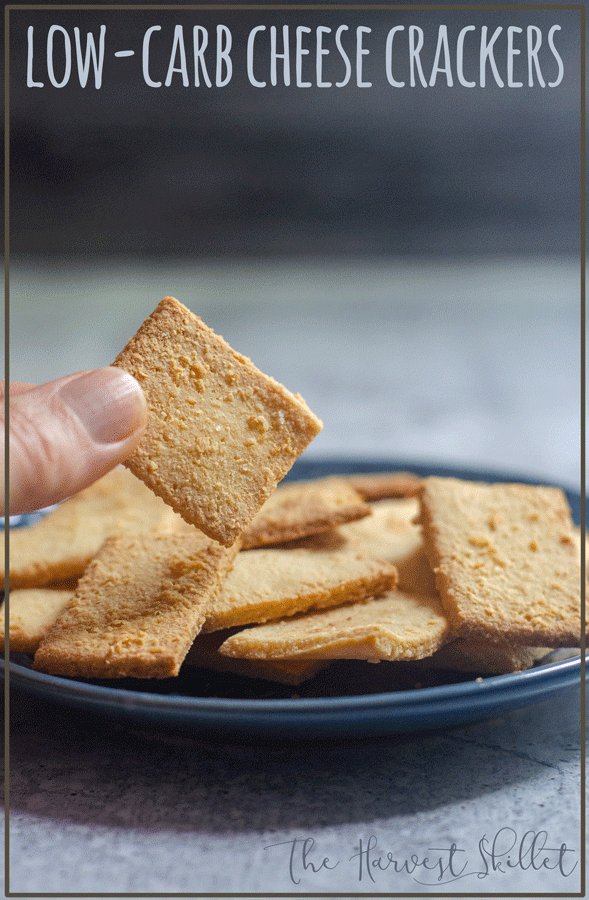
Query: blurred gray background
(408, 259)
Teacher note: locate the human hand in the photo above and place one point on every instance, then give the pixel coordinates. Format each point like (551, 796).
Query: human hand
(67, 433)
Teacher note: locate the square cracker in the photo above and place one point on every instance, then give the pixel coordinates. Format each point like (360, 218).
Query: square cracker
(268, 583)
(204, 653)
(303, 508)
(137, 608)
(392, 626)
(62, 543)
(220, 433)
(391, 533)
(32, 612)
(506, 563)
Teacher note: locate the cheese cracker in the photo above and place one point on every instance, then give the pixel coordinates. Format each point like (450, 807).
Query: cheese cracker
(391, 533)
(62, 543)
(32, 611)
(303, 508)
(220, 433)
(137, 609)
(394, 626)
(505, 559)
(268, 583)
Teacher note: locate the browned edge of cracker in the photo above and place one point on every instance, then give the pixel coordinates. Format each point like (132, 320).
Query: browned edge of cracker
(314, 514)
(374, 486)
(440, 574)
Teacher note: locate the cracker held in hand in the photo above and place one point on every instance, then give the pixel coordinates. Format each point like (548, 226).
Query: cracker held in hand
(62, 543)
(32, 612)
(505, 559)
(137, 608)
(220, 433)
(391, 533)
(393, 626)
(303, 508)
(272, 582)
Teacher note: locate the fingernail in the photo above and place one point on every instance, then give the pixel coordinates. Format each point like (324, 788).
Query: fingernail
(109, 403)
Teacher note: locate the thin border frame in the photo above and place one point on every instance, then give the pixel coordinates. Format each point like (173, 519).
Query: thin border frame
(313, 7)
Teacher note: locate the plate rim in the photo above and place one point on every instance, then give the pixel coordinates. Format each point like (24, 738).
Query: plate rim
(563, 671)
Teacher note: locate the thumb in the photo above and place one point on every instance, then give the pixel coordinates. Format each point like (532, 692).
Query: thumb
(65, 434)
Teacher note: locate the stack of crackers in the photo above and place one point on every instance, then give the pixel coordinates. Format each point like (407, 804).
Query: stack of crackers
(195, 554)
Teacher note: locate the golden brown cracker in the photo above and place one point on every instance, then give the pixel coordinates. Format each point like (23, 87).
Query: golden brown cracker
(391, 533)
(220, 433)
(393, 626)
(318, 572)
(505, 560)
(32, 612)
(385, 485)
(137, 608)
(302, 508)
(60, 545)
(204, 653)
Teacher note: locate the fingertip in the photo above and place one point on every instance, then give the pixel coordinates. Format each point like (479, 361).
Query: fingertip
(68, 433)
(109, 402)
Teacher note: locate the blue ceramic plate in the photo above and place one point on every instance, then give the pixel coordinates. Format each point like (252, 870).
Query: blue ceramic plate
(348, 700)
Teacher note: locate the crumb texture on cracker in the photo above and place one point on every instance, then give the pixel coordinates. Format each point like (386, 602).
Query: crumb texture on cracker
(506, 562)
(221, 434)
(137, 608)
